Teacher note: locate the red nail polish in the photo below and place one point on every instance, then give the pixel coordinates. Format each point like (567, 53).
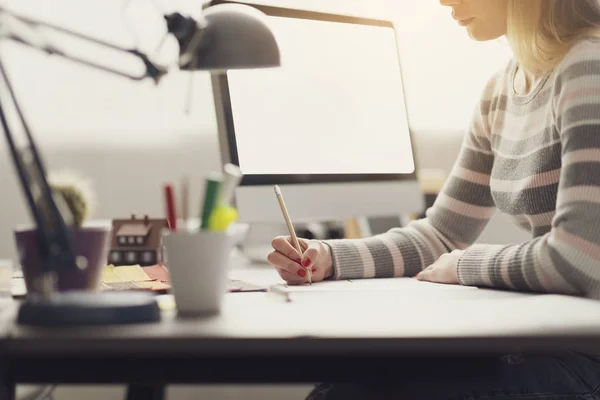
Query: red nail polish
(314, 270)
(302, 273)
(306, 262)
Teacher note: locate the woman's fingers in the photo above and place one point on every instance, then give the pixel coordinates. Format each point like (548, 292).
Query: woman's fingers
(283, 246)
(280, 261)
(290, 278)
(311, 255)
(440, 272)
(292, 266)
(428, 273)
(425, 275)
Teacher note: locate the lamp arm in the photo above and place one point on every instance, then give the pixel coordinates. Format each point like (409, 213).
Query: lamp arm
(54, 244)
(152, 70)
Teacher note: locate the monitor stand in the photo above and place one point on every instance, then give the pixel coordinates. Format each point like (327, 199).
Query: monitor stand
(257, 243)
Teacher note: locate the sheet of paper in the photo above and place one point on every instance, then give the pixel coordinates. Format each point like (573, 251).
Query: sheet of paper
(262, 276)
(326, 286)
(377, 285)
(392, 284)
(121, 286)
(131, 273)
(243, 286)
(268, 276)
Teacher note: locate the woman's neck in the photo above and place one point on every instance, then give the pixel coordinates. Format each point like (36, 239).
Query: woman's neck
(524, 81)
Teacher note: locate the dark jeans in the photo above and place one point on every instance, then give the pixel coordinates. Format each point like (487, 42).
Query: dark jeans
(570, 376)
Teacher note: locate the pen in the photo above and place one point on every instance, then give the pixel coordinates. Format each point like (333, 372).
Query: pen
(213, 181)
(170, 207)
(290, 227)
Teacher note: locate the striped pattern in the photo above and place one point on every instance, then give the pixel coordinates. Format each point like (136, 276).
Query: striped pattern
(534, 157)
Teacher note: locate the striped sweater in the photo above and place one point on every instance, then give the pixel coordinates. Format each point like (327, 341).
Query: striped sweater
(535, 158)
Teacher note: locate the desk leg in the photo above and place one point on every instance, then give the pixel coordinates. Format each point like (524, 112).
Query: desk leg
(8, 391)
(137, 391)
(8, 388)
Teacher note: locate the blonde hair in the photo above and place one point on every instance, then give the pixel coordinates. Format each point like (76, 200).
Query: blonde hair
(541, 32)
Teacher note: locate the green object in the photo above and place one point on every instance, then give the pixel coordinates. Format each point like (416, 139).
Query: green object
(76, 202)
(73, 195)
(211, 188)
(221, 218)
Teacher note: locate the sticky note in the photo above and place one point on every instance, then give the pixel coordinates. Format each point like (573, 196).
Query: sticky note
(154, 285)
(108, 274)
(158, 272)
(131, 273)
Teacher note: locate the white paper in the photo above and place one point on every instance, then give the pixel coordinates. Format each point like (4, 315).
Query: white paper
(378, 285)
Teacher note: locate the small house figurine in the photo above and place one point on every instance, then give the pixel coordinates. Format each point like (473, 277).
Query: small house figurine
(137, 241)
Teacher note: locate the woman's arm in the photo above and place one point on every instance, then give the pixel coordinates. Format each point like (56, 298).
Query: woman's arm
(566, 259)
(459, 214)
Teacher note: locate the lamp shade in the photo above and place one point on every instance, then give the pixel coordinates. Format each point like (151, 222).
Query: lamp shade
(230, 36)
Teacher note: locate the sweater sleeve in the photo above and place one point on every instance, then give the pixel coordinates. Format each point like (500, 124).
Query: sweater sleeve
(566, 259)
(459, 214)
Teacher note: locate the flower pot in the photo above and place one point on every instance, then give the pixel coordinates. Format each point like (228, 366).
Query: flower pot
(89, 242)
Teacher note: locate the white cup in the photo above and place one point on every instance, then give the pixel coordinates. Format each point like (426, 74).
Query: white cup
(198, 263)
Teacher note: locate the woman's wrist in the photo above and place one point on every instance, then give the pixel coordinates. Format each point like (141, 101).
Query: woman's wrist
(327, 261)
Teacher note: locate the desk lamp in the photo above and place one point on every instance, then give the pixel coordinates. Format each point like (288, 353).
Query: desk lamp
(226, 36)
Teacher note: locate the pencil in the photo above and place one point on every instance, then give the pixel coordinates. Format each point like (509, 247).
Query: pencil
(290, 227)
(170, 208)
(185, 203)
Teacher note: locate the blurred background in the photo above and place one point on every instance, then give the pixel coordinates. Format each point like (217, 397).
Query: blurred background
(130, 137)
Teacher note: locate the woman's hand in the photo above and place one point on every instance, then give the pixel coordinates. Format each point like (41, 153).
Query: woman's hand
(444, 270)
(292, 266)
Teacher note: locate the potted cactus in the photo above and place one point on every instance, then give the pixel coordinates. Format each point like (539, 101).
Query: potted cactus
(90, 243)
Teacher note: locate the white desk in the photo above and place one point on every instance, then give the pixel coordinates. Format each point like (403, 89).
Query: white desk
(328, 331)
(401, 311)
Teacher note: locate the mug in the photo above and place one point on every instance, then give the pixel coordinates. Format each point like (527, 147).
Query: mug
(198, 263)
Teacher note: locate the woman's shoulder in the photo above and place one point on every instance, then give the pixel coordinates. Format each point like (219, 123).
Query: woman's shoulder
(576, 79)
(582, 58)
(584, 47)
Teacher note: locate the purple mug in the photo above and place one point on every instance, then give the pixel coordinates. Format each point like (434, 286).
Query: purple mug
(89, 242)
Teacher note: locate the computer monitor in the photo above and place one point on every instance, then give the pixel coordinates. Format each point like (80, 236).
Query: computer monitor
(330, 126)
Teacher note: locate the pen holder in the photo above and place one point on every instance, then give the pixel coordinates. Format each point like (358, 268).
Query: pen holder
(198, 263)
(91, 243)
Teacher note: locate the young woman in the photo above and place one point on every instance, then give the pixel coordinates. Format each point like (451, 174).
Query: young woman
(532, 152)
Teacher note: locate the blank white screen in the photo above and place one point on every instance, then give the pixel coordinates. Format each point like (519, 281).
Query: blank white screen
(335, 106)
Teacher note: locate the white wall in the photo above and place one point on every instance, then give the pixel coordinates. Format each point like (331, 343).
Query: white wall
(68, 104)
